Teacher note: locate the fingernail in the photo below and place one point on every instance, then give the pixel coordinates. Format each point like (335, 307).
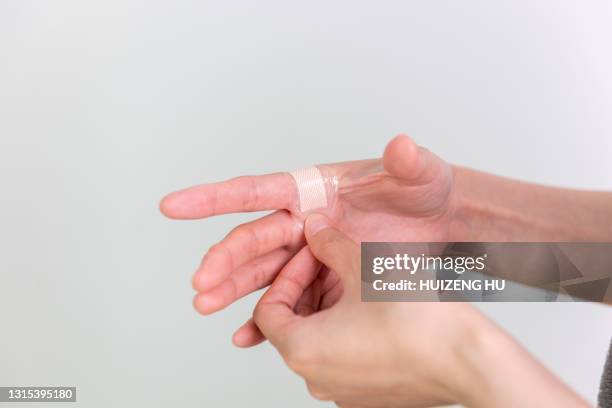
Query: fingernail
(315, 223)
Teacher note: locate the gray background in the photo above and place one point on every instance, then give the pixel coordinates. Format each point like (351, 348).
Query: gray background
(106, 106)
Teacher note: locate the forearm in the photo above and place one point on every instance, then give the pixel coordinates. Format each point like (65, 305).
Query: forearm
(492, 208)
(500, 373)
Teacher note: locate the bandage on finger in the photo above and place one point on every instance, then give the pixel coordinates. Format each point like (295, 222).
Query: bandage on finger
(315, 189)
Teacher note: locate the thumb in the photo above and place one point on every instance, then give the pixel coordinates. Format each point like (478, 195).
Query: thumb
(404, 159)
(333, 248)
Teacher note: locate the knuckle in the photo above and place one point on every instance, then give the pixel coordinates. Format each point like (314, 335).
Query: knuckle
(241, 180)
(260, 278)
(299, 359)
(219, 252)
(318, 393)
(245, 235)
(240, 233)
(216, 249)
(251, 199)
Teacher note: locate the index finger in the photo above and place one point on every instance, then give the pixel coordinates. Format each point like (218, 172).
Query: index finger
(275, 310)
(241, 194)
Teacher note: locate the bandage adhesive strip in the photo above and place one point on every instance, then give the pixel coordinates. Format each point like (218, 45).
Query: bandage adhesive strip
(311, 188)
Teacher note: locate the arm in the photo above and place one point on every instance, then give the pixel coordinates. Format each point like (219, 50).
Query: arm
(493, 208)
(417, 197)
(501, 373)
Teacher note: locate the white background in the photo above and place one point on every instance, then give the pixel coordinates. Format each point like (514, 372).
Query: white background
(106, 106)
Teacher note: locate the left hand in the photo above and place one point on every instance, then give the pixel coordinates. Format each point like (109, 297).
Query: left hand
(411, 198)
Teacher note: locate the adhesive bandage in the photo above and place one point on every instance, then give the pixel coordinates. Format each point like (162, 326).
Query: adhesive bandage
(320, 187)
(312, 189)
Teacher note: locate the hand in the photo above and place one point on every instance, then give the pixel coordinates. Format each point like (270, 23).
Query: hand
(387, 354)
(409, 199)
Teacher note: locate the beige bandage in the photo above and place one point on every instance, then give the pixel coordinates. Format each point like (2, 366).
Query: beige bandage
(311, 188)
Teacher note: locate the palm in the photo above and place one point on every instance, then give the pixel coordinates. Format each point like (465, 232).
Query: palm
(409, 198)
(385, 207)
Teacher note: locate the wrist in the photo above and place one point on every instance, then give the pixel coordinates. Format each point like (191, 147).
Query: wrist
(492, 208)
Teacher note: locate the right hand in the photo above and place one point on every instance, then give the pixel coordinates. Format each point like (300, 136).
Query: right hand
(362, 354)
(394, 354)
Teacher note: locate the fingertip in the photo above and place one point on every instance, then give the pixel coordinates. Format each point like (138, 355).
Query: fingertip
(247, 335)
(204, 282)
(166, 206)
(239, 340)
(198, 282)
(215, 267)
(315, 223)
(178, 205)
(203, 279)
(188, 204)
(401, 157)
(205, 304)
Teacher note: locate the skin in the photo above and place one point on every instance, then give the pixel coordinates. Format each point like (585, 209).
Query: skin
(415, 354)
(414, 196)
